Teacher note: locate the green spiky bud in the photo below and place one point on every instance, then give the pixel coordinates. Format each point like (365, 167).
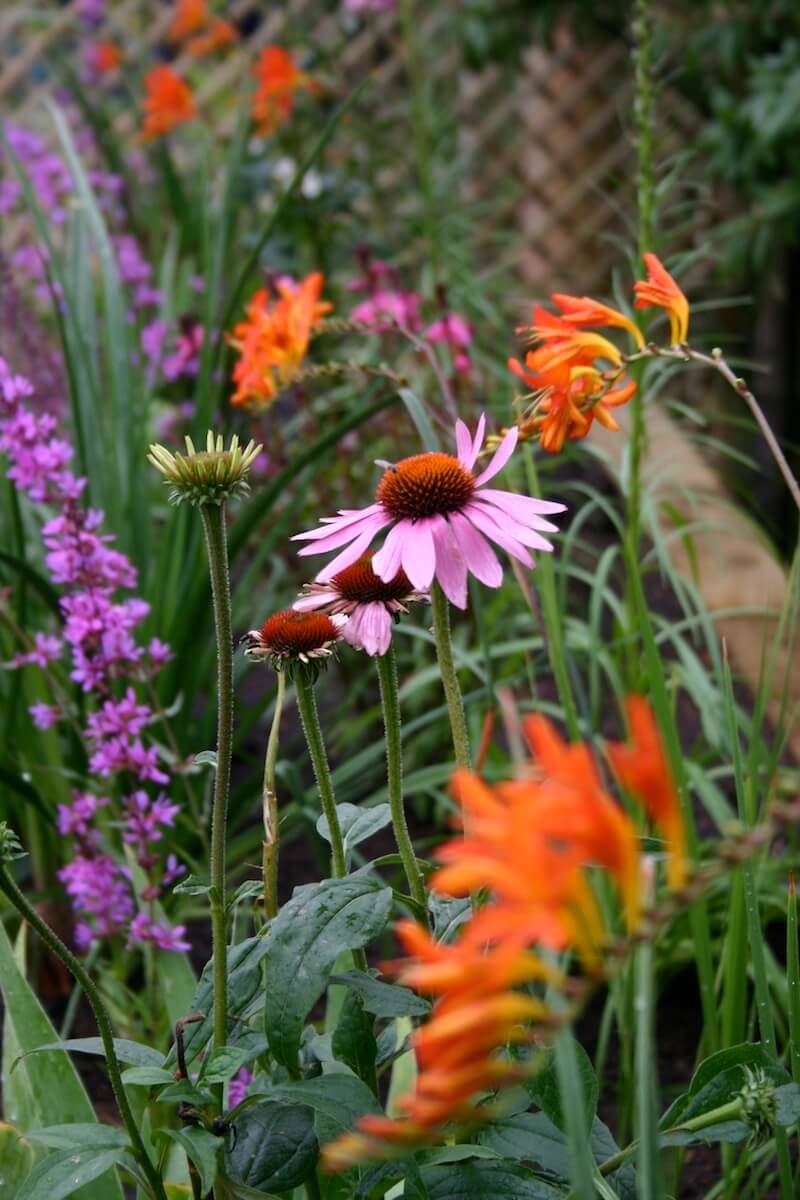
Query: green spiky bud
(759, 1105)
(209, 476)
(10, 847)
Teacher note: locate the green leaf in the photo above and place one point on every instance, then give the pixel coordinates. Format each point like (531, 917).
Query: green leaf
(481, 1179)
(16, 1160)
(192, 886)
(275, 1148)
(353, 1041)
(419, 415)
(726, 1131)
(311, 930)
(383, 999)
(338, 1101)
(244, 981)
(147, 1076)
(53, 1091)
(718, 1079)
(357, 824)
(62, 1174)
(544, 1090)
(788, 1101)
(223, 1064)
(206, 758)
(128, 1052)
(96, 1137)
(240, 1191)
(202, 1148)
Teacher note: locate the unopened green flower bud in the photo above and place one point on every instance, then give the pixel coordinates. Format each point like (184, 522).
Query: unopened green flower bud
(759, 1105)
(10, 847)
(209, 476)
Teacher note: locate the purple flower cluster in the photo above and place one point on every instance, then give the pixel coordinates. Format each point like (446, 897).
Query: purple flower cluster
(99, 632)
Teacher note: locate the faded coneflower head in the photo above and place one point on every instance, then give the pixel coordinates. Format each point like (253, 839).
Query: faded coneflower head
(209, 476)
(290, 637)
(528, 844)
(442, 520)
(168, 102)
(273, 339)
(369, 602)
(660, 290)
(278, 80)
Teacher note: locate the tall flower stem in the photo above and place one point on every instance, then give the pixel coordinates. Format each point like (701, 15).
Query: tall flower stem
(84, 981)
(390, 700)
(307, 704)
(452, 692)
(217, 546)
(269, 802)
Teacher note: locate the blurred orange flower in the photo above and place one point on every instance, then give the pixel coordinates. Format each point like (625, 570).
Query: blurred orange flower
(278, 80)
(168, 101)
(103, 57)
(273, 339)
(643, 770)
(660, 290)
(219, 35)
(189, 17)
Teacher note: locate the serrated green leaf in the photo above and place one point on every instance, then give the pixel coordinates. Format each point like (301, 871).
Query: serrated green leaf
(276, 1148)
(357, 824)
(318, 923)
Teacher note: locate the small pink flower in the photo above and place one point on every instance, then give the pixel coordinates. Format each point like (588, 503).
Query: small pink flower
(45, 715)
(369, 602)
(237, 1088)
(442, 520)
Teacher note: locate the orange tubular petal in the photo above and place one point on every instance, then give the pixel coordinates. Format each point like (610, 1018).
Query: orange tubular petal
(661, 291)
(583, 310)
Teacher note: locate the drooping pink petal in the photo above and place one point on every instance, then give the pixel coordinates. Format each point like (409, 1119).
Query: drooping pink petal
(343, 519)
(477, 442)
(464, 445)
(371, 524)
(369, 628)
(515, 529)
(419, 556)
(513, 506)
(347, 557)
(314, 600)
(481, 560)
(533, 504)
(501, 456)
(481, 519)
(451, 570)
(386, 561)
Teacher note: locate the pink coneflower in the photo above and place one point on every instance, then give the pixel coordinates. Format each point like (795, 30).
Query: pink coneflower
(442, 520)
(290, 635)
(369, 602)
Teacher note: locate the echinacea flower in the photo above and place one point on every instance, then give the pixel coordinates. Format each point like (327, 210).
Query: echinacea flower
(660, 290)
(168, 102)
(278, 80)
(273, 339)
(290, 636)
(442, 520)
(369, 602)
(643, 770)
(209, 476)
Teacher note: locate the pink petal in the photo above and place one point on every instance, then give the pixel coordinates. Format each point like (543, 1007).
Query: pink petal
(313, 600)
(386, 561)
(521, 533)
(481, 519)
(501, 456)
(342, 520)
(332, 541)
(419, 556)
(451, 570)
(480, 558)
(369, 628)
(463, 445)
(347, 557)
(531, 503)
(477, 442)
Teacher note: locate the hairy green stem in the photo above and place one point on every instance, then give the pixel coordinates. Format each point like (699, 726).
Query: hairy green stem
(217, 546)
(269, 804)
(452, 692)
(307, 704)
(390, 699)
(732, 1111)
(77, 970)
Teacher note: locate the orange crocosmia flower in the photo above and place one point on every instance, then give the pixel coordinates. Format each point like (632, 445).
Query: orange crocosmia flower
(189, 17)
(583, 310)
(660, 290)
(642, 769)
(168, 101)
(219, 35)
(566, 342)
(273, 339)
(278, 80)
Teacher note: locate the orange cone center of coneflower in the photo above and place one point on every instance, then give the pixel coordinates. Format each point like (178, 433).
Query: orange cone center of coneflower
(293, 632)
(360, 583)
(425, 485)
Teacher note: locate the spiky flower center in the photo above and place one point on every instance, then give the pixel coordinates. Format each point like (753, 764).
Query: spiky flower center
(360, 584)
(294, 633)
(425, 485)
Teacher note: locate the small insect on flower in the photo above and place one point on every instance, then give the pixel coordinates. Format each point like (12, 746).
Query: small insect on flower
(290, 637)
(168, 102)
(369, 602)
(442, 520)
(209, 476)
